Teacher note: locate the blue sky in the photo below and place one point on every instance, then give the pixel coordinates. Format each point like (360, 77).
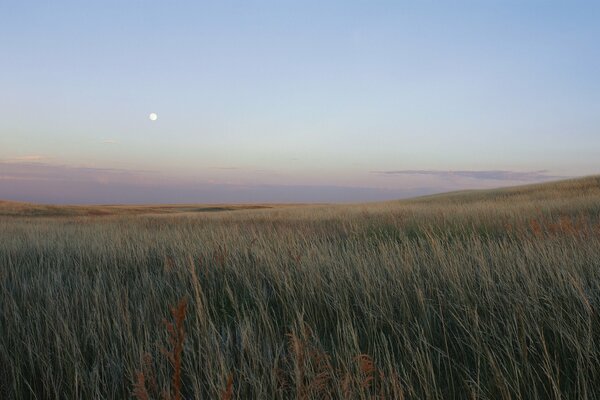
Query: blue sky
(289, 100)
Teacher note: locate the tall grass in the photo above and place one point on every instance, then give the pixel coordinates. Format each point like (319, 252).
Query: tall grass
(491, 295)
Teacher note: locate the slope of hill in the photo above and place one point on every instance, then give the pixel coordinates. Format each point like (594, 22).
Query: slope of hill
(566, 189)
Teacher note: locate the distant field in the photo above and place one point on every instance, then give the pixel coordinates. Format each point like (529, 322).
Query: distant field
(471, 295)
(17, 209)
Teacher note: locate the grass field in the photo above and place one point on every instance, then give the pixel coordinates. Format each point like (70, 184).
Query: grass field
(471, 295)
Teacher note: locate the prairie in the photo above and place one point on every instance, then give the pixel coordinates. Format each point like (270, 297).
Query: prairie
(481, 294)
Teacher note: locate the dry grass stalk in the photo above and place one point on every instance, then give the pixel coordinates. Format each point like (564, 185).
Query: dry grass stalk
(296, 347)
(140, 392)
(146, 384)
(176, 331)
(227, 394)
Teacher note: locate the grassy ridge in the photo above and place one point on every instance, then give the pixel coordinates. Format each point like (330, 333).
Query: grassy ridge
(487, 295)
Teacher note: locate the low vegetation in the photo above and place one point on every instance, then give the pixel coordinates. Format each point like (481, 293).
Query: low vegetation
(481, 295)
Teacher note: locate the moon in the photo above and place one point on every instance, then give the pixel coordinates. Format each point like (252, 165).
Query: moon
(153, 116)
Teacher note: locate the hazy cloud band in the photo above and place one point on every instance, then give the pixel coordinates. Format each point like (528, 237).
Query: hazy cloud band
(500, 175)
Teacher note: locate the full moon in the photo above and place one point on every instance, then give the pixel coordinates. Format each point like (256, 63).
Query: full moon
(153, 117)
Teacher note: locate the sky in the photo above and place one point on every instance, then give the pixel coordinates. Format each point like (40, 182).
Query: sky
(285, 101)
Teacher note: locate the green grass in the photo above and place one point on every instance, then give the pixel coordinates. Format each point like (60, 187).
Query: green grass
(484, 295)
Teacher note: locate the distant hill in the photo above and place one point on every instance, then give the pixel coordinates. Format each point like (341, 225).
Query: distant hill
(576, 188)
